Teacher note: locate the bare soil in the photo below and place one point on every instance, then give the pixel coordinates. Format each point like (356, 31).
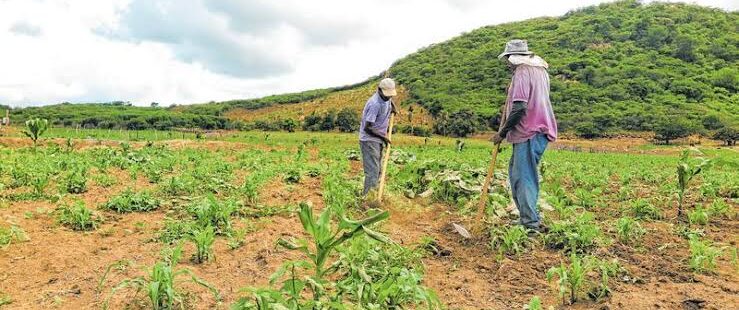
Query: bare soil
(61, 268)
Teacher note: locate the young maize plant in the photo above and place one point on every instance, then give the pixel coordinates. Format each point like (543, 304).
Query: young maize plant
(686, 171)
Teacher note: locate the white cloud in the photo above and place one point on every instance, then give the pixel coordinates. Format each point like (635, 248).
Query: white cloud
(188, 51)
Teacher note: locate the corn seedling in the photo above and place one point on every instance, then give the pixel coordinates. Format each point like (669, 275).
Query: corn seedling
(129, 201)
(629, 230)
(211, 212)
(161, 283)
(11, 235)
(5, 299)
(571, 278)
(203, 237)
(535, 304)
(698, 216)
(578, 234)
(702, 255)
(237, 239)
(78, 217)
(35, 128)
(75, 182)
(607, 269)
(39, 181)
(686, 171)
(511, 240)
(642, 209)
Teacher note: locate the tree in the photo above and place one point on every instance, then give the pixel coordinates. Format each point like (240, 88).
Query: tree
(329, 121)
(289, 125)
(671, 129)
(727, 134)
(347, 120)
(685, 48)
(712, 122)
(35, 128)
(459, 124)
(588, 130)
(312, 122)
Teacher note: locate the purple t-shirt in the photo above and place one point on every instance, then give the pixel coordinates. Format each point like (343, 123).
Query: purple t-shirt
(531, 85)
(377, 112)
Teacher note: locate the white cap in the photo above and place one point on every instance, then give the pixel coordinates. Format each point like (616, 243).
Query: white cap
(387, 85)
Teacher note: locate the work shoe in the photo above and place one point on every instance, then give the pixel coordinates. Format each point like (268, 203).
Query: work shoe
(539, 230)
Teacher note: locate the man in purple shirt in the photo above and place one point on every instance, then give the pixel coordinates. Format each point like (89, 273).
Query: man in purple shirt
(530, 125)
(373, 131)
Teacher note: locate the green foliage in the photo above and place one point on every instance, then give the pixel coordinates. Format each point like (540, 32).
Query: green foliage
(727, 134)
(642, 209)
(203, 238)
(347, 120)
(624, 59)
(461, 123)
(511, 240)
(699, 215)
(574, 278)
(535, 303)
(671, 129)
(78, 217)
(75, 182)
(578, 234)
(702, 255)
(162, 283)
(130, 201)
(11, 235)
(323, 242)
(35, 128)
(686, 171)
(629, 230)
(214, 213)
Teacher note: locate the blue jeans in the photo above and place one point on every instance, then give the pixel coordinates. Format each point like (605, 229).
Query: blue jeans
(371, 161)
(524, 178)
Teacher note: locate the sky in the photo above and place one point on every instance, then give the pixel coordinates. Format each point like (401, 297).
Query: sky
(194, 51)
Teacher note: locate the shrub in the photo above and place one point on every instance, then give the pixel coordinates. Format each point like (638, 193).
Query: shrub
(727, 134)
(712, 122)
(312, 122)
(588, 130)
(35, 128)
(347, 120)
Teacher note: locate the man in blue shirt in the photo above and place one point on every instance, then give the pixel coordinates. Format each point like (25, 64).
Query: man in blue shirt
(373, 131)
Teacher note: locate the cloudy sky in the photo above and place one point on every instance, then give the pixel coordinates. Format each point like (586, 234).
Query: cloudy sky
(190, 51)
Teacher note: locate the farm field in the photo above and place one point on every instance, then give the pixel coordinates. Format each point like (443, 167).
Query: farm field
(86, 221)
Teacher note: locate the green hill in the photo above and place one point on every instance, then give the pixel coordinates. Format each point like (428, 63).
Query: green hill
(621, 66)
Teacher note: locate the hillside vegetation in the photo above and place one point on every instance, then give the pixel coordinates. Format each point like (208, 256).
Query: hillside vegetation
(615, 66)
(623, 66)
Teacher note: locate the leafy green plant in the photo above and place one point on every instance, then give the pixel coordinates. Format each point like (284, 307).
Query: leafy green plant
(75, 182)
(511, 240)
(720, 208)
(237, 239)
(35, 128)
(686, 171)
(104, 180)
(211, 212)
(324, 239)
(39, 181)
(203, 237)
(642, 209)
(161, 283)
(699, 215)
(292, 176)
(607, 269)
(535, 303)
(571, 278)
(174, 230)
(702, 254)
(10, 235)
(629, 230)
(78, 217)
(379, 275)
(130, 201)
(578, 234)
